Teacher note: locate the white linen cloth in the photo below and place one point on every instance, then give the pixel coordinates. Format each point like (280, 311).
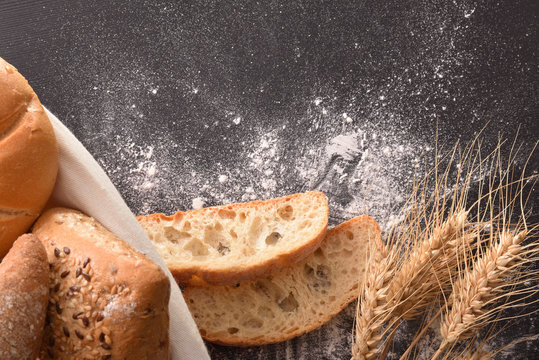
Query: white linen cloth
(82, 184)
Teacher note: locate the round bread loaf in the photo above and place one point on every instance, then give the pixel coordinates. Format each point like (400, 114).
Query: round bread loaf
(28, 156)
(24, 294)
(107, 300)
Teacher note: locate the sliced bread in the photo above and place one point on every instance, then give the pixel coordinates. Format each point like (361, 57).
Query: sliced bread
(226, 245)
(293, 301)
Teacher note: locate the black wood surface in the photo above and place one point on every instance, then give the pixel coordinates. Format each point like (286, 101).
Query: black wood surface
(170, 97)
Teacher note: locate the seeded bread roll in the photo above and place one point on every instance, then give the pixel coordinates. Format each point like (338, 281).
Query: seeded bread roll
(28, 156)
(24, 293)
(107, 301)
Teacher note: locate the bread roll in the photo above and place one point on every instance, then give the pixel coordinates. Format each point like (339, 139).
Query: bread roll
(24, 293)
(28, 156)
(108, 301)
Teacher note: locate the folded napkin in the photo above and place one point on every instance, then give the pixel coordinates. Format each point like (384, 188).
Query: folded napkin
(82, 184)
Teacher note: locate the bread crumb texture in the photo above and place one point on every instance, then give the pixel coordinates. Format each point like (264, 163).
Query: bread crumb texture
(290, 302)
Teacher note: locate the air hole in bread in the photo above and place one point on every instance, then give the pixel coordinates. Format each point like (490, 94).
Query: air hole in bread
(186, 226)
(175, 236)
(273, 238)
(349, 235)
(233, 234)
(319, 253)
(266, 312)
(218, 226)
(317, 279)
(222, 249)
(332, 298)
(289, 303)
(226, 214)
(253, 323)
(347, 253)
(243, 216)
(286, 212)
(197, 248)
(269, 289)
(232, 330)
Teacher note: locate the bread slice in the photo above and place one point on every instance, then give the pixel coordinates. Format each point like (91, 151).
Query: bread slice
(226, 245)
(293, 301)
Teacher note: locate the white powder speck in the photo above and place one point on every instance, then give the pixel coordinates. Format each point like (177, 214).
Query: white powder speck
(468, 14)
(154, 91)
(198, 203)
(317, 101)
(347, 118)
(237, 120)
(223, 179)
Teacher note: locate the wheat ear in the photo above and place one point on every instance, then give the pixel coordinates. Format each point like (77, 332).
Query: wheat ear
(372, 312)
(479, 287)
(418, 282)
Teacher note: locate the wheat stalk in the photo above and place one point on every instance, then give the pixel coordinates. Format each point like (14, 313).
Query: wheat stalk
(489, 280)
(373, 312)
(419, 281)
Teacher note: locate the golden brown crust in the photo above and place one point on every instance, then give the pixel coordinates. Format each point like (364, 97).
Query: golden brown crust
(24, 293)
(28, 156)
(107, 299)
(199, 272)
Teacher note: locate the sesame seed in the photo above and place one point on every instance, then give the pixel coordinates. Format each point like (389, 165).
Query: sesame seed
(67, 250)
(86, 262)
(66, 331)
(56, 252)
(77, 314)
(102, 337)
(108, 340)
(64, 274)
(69, 293)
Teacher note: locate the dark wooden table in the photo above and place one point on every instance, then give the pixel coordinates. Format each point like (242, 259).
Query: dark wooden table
(202, 103)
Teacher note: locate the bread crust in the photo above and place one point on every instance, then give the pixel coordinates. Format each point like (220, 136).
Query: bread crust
(24, 294)
(107, 299)
(28, 156)
(363, 223)
(194, 274)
